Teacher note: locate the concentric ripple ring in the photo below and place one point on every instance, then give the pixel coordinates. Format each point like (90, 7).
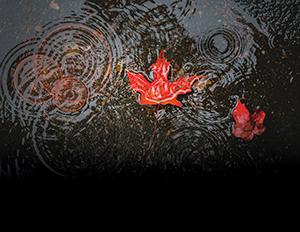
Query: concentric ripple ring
(81, 50)
(69, 94)
(220, 45)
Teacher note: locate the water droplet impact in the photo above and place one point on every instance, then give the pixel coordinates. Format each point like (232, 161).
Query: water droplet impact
(220, 45)
(69, 94)
(82, 51)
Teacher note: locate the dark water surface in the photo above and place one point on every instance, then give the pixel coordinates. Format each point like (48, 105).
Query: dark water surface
(248, 50)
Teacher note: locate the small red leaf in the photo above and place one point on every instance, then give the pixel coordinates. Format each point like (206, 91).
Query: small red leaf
(160, 90)
(259, 117)
(247, 126)
(241, 114)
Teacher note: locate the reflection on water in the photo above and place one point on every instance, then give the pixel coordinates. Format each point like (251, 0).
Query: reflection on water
(66, 89)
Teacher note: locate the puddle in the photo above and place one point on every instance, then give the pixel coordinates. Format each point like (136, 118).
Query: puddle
(66, 105)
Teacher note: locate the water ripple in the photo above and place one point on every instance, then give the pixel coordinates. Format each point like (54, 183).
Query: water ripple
(221, 45)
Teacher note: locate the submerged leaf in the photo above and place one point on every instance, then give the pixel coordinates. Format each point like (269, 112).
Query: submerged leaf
(241, 114)
(246, 125)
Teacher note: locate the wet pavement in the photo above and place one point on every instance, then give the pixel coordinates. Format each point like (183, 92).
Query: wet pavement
(89, 123)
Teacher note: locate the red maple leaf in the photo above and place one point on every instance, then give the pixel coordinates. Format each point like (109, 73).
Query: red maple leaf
(160, 90)
(246, 125)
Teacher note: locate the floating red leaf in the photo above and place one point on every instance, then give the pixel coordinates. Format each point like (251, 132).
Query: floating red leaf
(160, 90)
(246, 125)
